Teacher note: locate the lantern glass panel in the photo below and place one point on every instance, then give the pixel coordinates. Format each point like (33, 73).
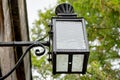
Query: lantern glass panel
(62, 63)
(69, 35)
(77, 63)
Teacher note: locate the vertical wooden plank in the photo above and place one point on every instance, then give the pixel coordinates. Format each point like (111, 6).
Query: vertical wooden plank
(1, 32)
(24, 33)
(20, 71)
(13, 26)
(7, 54)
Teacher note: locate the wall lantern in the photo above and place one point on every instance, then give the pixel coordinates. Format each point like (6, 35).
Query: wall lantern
(70, 45)
(68, 40)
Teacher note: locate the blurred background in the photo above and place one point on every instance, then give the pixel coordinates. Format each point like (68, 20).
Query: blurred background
(103, 30)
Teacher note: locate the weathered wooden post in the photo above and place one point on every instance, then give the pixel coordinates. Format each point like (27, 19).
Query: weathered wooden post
(14, 27)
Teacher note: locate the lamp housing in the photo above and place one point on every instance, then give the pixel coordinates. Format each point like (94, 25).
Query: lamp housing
(70, 45)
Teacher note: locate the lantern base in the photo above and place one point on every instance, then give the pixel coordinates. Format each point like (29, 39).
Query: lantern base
(70, 63)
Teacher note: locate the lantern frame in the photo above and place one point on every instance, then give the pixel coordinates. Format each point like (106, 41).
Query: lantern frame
(69, 52)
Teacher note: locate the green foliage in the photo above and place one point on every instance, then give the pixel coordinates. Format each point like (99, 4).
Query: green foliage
(103, 28)
(40, 28)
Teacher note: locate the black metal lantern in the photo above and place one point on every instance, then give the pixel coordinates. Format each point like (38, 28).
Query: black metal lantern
(70, 45)
(68, 39)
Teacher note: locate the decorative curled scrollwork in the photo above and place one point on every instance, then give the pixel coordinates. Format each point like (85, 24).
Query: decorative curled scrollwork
(36, 44)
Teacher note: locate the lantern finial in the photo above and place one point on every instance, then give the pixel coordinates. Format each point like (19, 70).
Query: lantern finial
(64, 8)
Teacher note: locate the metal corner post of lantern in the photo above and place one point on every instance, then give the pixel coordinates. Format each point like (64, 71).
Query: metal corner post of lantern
(68, 44)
